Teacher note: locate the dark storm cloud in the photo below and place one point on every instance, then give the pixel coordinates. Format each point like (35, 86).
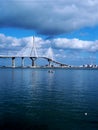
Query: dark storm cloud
(49, 17)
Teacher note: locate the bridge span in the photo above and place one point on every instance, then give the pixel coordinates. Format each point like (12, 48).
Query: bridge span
(33, 56)
(33, 59)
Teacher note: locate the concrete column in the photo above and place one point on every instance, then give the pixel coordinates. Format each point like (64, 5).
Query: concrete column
(33, 61)
(22, 61)
(49, 61)
(13, 61)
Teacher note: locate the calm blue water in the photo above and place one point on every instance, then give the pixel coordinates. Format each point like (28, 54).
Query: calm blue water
(33, 99)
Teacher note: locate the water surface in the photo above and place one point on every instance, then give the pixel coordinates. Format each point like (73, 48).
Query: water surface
(33, 99)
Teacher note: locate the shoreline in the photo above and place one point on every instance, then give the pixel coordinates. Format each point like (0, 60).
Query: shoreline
(42, 67)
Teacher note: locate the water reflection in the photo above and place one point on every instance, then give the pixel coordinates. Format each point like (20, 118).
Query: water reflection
(36, 99)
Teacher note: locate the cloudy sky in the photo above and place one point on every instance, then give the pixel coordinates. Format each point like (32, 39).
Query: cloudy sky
(69, 27)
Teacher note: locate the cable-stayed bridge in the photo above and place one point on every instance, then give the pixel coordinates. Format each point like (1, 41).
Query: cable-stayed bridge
(34, 56)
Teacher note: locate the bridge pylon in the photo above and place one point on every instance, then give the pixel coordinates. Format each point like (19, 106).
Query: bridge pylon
(33, 53)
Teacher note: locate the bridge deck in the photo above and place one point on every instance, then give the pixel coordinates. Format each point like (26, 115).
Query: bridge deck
(49, 59)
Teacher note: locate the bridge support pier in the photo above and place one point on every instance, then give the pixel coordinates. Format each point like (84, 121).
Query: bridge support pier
(22, 61)
(33, 61)
(13, 62)
(49, 61)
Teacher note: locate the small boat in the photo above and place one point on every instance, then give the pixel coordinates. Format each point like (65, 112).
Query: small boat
(50, 71)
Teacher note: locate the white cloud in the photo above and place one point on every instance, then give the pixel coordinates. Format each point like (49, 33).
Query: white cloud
(22, 46)
(49, 17)
(62, 48)
(64, 43)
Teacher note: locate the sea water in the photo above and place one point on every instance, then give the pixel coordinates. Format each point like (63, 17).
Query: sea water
(36, 99)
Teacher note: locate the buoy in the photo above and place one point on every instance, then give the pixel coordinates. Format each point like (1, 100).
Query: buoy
(85, 114)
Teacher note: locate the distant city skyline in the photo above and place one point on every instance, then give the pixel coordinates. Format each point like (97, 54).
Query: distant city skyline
(70, 28)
